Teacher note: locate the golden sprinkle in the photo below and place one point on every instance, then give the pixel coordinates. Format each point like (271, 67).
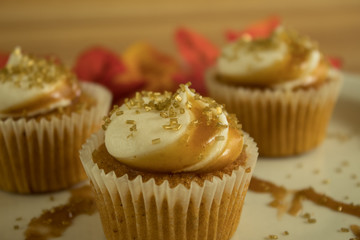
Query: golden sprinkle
(306, 215)
(178, 98)
(133, 128)
(248, 170)
(197, 96)
(182, 110)
(272, 236)
(104, 127)
(344, 229)
(155, 141)
(188, 105)
(218, 110)
(340, 208)
(219, 138)
(182, 87)
(130, 121)
(137, 112)
(147, 108)
(173, 121)
(286, 233)
(130, 135)
(167, 127)
(164, 115)
(16, 227)
(177, 127)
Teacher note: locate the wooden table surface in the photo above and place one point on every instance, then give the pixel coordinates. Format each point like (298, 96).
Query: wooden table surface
(68, 27)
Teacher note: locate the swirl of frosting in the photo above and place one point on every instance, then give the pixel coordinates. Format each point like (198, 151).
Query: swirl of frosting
(180, 132)
(31, 86)
(284, 60)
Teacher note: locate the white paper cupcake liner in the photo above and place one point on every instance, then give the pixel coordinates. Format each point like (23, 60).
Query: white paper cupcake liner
(133, 209)
(282, 123)
(42, 155)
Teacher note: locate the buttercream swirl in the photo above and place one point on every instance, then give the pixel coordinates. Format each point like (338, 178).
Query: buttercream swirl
(30, 86)
(180, 132)
(284, 60)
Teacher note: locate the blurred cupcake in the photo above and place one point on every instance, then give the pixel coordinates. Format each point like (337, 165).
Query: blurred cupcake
(45, 116)
(169, 166)
(281, 88)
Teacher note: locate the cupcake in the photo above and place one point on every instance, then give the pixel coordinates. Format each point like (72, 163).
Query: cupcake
(45, 117)
(169, 166)
(281, 88)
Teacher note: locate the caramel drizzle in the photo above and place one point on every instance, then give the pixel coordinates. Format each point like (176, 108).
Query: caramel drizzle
(279, 193)
(355, 229)
(52, 223)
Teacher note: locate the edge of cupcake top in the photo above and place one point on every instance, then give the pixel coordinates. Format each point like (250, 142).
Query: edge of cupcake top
(172, 132)
(30, 86)
(283, 60)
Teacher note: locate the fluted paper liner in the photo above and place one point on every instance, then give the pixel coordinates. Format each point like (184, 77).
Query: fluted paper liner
(42, 155)
(282, 123)
(133, 209)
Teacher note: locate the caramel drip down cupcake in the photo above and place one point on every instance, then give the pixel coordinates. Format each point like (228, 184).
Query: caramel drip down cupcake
(45, 117)
(170, 166)
(281, 88)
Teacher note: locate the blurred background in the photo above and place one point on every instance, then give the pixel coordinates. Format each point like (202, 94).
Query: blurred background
(68, 27)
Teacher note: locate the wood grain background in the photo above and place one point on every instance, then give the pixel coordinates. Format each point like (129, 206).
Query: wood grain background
(68, 27)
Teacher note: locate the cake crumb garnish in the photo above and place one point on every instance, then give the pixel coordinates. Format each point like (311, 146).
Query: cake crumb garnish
(273, 236)
(311, 220)
(343, 229)
(16, 227)
(248, 170)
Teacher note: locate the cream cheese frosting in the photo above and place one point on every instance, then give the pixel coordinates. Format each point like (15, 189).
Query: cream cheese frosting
(284, 60)
(30, 86)
(180, 132)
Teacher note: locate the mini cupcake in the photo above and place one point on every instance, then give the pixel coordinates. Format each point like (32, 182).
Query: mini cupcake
(169, 166)
(45, 117)
(281, 88)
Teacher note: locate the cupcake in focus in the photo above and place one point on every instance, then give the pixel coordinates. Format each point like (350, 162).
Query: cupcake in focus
(170, 166)
(282, 89)
(45, 117)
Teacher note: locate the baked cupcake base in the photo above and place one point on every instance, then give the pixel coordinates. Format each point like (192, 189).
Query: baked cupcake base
(282, 123)
(138, 209)
(41, 155)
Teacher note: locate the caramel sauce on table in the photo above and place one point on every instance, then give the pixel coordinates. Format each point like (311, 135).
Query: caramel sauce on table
(52, 223)
(279, 193)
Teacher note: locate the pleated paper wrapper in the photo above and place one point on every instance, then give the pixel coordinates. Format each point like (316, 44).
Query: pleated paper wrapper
(133, 209)
(282, 123)
(43, 155)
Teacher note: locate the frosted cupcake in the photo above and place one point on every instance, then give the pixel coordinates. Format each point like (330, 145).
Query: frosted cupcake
(169, 166)
(281, 88)
(45, 116)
